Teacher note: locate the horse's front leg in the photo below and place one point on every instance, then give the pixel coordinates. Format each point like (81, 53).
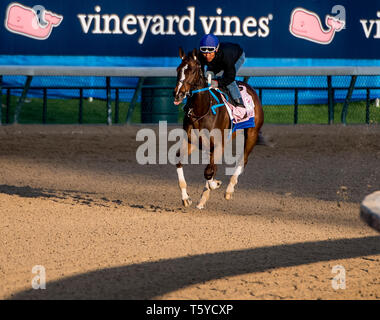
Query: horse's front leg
(186, 201)
(211, 184)
(209, 174)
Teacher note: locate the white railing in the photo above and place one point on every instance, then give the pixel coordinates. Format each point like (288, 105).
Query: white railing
(171, 71)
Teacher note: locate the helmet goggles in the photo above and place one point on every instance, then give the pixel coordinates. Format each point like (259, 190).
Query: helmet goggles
(207, 49)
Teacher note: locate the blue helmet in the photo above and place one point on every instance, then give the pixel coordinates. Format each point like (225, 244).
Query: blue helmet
(208, 42)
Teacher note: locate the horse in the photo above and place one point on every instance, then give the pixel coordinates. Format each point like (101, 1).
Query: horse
(190, 82)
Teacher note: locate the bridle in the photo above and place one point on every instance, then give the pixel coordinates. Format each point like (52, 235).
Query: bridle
(190, 93)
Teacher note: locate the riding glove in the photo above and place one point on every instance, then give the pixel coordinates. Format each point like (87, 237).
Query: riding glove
(214, 84)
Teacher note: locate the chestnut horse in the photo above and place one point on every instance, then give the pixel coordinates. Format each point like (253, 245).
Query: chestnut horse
(198, 115)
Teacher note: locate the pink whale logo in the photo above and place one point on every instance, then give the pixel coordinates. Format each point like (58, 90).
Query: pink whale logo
(307, 25)
(25, 21)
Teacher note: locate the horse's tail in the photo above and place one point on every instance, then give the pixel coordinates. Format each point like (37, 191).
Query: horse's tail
(261, 140)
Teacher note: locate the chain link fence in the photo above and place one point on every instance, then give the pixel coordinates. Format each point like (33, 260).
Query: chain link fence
(305, 99)
(66, 100)
(286, 99)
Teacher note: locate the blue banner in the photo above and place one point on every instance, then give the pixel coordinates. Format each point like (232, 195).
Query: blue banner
(343, 29)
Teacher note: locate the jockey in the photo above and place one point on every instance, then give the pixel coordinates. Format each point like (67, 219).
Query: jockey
(224, 59)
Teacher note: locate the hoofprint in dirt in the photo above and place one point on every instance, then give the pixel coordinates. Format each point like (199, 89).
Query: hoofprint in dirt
(74, 200)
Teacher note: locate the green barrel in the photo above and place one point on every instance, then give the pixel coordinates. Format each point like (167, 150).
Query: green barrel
(157, 104)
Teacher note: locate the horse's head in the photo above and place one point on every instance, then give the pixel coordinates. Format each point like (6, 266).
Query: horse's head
(189, 73)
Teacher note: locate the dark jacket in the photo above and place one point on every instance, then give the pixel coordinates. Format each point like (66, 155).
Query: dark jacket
(225, 59)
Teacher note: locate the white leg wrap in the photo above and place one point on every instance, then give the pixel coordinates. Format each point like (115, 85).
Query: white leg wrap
(182, 183)
(234, 179)
(212, 184)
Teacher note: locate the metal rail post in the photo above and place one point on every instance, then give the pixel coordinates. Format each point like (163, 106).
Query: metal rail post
(333, 104)
(1, 99)
(295, 106)
(348, 98)
(368, 102)
(8, 112)
(22, 98)
(80, 111)
(330, 100)
(44, 108)
(117, 106)
(261, 95)
(109, 105)
(134, 100)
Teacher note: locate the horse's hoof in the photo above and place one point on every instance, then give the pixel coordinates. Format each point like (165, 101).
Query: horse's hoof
(200, 206)
(215, 184)
(228, 196)
(187, 202)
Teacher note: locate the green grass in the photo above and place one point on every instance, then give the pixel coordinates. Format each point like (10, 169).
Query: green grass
(318, 114)
(67, 111)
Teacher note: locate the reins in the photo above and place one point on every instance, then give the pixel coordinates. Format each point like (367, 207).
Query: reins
(214, 96)
(214, 107)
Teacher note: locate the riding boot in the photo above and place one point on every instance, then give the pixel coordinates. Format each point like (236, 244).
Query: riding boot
(239, 103)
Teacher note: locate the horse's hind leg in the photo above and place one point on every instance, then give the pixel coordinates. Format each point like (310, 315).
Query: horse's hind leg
(250, 139)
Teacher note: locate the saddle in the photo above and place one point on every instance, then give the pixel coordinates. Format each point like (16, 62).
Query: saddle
(239, 114)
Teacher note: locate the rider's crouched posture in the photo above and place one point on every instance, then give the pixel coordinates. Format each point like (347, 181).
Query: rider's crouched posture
(224, 59)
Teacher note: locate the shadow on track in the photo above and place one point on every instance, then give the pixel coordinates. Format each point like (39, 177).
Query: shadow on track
(153, 279)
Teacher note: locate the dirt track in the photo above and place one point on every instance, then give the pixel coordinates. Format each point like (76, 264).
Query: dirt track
(74, 200)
